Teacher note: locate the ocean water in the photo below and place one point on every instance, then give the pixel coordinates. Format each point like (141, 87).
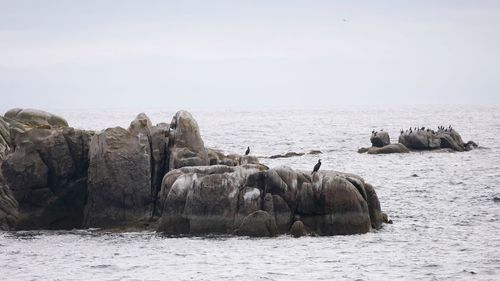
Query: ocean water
(444, 205)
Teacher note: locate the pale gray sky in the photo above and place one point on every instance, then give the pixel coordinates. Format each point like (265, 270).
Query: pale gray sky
(247, 54)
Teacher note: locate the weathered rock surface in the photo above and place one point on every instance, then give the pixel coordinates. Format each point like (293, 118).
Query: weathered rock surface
(426, 139)
(298, 229)
(390, 148)
(47, 176)
(257, 224)
(9, 212)
(36, 118)
(223, 199)
(380, 139)
(119, 179)
(199, 200)
(57, 177)
(185, 145)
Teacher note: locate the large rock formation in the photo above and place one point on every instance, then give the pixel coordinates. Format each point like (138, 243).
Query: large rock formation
(119, 179)
(223, 199)
(56, 177)
(47, 174)
(185, 145)
(36, 118)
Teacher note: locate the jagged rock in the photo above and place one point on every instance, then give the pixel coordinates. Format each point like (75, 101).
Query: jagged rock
(185, 144)
(47, 176)
(380, 139)
(158, 142)
(119, 179)
(36, 118)
(298, 229)
(257, 224)
(390, 148)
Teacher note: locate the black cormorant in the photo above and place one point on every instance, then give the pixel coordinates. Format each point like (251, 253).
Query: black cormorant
(316, 167)
(248, 150)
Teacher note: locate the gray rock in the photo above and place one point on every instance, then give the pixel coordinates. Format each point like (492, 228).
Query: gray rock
(205, 199)
(257, 224)
(390, 148)
(420, 140)
(157, 137)
(328, 202)
(47, 176)
(119, 179)
(9, 210)
(298, 229)
(36, 118)
(185, 145)
(380, 139)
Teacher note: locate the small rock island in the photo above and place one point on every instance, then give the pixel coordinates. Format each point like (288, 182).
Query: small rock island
(418, 139)
(163, 178)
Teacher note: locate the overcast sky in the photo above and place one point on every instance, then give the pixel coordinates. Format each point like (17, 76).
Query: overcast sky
(248, 54)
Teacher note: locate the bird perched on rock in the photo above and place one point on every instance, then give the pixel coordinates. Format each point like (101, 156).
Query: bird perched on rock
(248, 150)
(316, 167)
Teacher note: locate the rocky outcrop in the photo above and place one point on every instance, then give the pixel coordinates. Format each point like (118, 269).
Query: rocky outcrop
(199, 200)
(327, 202)
(36, 118)
(223, 199)
(119, 179)
(418, 139)
(390, 148)
(57, 177)
(427, 139)
(380, 138)
(186, 148)
(47, 176)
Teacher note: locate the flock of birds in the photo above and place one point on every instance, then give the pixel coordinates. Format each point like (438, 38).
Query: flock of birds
(416, 129)
(423, 129)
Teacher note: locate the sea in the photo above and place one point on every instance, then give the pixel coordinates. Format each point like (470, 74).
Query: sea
(445, 206)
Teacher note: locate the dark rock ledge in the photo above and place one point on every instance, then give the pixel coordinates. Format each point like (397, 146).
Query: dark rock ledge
(161, 177)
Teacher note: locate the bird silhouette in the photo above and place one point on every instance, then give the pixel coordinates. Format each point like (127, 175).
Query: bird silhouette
(316, 167)
(248, 150)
